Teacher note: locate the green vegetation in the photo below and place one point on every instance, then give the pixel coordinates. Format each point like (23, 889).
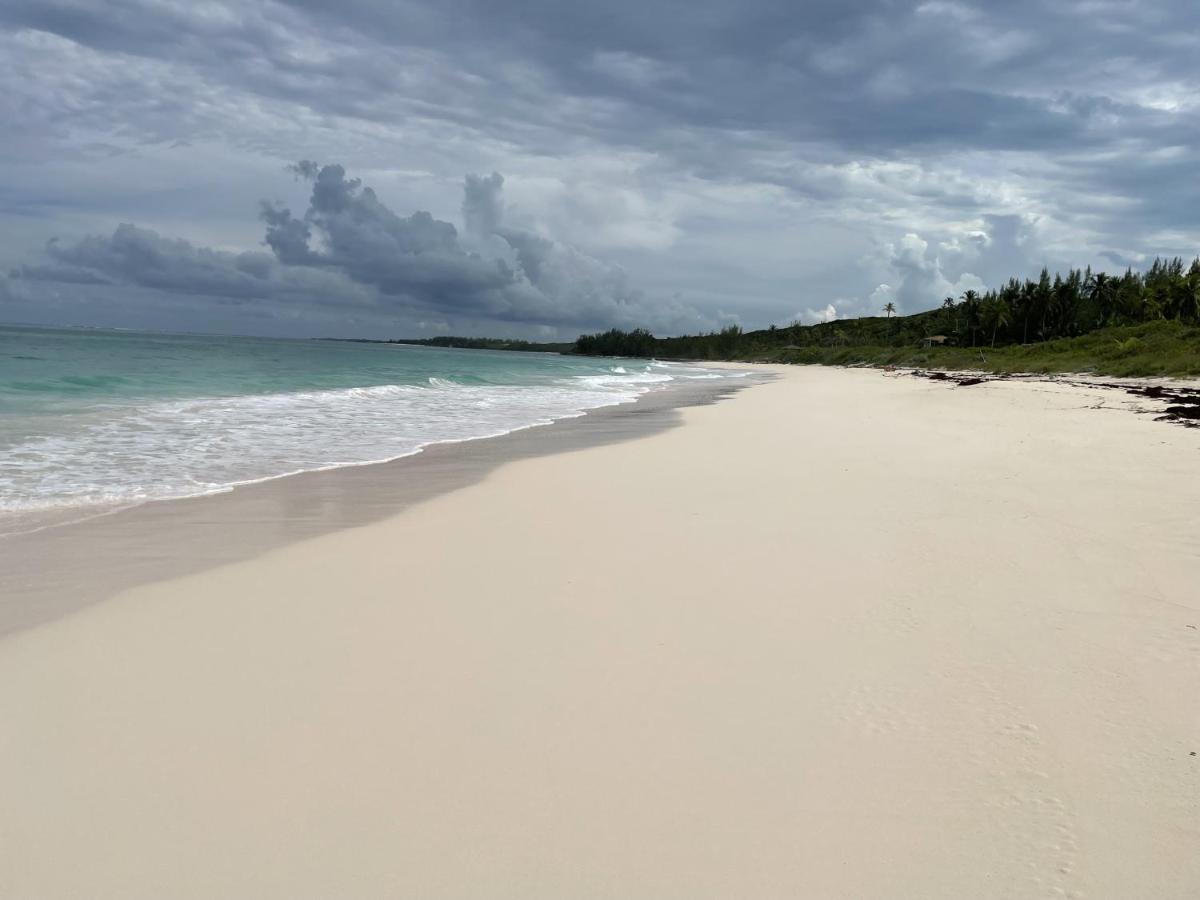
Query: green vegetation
(1155, 348)
(1128, 325)
(615, 342)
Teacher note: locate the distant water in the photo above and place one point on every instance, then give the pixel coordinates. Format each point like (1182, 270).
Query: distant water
(92, 421)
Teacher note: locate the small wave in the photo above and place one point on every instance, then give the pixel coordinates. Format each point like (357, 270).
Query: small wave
(92, 381)
(122, 456)
(112, 455)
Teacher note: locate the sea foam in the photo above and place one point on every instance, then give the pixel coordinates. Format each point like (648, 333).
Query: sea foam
(113, 455)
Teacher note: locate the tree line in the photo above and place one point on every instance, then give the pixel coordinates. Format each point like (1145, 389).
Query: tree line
(1020, 312)
(473, 343)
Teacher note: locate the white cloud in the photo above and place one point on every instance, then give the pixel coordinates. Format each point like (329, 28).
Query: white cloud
(813, 316)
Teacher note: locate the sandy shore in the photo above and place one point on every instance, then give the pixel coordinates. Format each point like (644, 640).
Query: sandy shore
(51, 573)
(842, 635)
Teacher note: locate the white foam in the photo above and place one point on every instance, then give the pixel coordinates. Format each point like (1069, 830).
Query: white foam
(119, 456)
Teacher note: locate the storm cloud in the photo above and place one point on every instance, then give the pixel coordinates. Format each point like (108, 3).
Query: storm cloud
(734, 161)
(348, 251)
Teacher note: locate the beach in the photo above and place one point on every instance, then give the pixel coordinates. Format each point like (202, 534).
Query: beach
(840, 633)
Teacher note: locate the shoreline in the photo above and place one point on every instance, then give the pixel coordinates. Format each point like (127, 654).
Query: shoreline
(840, 635)
(32, 506)
(49, 572)
(229, 487)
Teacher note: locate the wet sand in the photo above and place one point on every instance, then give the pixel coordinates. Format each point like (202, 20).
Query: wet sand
(50, 573)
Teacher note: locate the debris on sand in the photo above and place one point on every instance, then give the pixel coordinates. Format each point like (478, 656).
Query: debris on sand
(1184, 408)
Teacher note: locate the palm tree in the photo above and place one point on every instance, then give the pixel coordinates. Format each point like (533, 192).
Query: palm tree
(889, 309)
(1192, 287)
(1100, 291)
(1042, 293)
(948, 310)
(970, 305)
(997, 313)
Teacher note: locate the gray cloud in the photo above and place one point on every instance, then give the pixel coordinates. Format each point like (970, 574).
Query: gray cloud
(481, 207)
(350, 250)
(745, 159)
(139, 256)
(418, 257)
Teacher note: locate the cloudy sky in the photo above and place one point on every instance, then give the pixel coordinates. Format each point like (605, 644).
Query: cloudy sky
(538, 168)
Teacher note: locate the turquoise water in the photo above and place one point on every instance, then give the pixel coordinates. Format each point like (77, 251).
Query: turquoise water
(92, 421)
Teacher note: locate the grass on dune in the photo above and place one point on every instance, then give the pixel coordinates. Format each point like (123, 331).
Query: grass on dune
(1153, 348)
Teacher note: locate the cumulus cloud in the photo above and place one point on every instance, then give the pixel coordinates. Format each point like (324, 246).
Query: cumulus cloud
(142, 257)
(417, 258)
(921, 280)
(880, 297)
(921, 272)
(349, 249)
(482, 208)
(831, 313)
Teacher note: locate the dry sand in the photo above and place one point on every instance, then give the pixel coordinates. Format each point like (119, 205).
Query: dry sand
(842, 635)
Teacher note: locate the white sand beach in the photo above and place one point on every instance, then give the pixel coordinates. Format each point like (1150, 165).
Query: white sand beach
(845, 634)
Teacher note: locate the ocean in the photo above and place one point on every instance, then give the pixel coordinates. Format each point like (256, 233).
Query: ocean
(92, 421)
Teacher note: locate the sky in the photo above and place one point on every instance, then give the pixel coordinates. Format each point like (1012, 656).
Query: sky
(538, 169)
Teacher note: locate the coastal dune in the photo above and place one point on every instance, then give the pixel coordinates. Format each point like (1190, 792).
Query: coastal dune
(843, 634)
